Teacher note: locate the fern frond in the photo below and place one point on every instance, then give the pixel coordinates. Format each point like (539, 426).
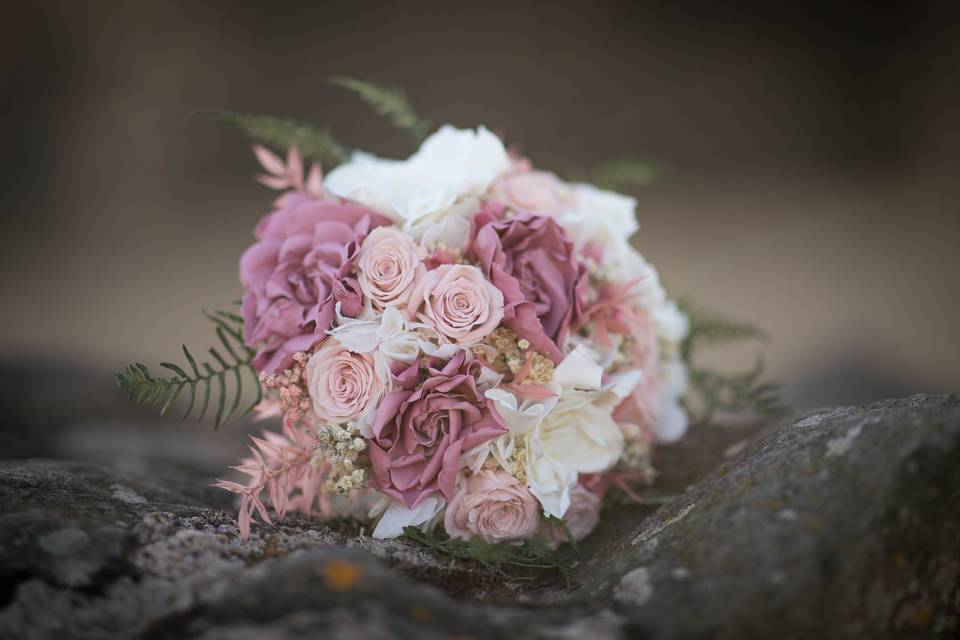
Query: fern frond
(225, 371)
(711, 328)
(620, 175)
(315, 143)
(714, 391)
(389, 102)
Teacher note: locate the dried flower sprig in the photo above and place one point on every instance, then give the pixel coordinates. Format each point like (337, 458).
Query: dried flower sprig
(282, 465)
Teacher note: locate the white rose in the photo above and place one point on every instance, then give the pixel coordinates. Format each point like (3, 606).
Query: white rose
(600, 213)
(578, 434)
(451, 164)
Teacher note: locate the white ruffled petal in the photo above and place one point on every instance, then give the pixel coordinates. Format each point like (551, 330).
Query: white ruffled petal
(579, 371)
(398, 516)
(450, 165)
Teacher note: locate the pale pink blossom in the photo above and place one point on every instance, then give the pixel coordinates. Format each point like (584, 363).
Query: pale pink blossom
(580, 518)
(493, 505)
(532, 192)
(389, 264)
(458, 301)
(342, 384)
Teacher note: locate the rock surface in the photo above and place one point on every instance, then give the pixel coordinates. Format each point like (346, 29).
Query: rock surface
(841, 523)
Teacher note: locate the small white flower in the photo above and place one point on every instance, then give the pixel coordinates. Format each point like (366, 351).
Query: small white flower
(519, 417)
(452, 164)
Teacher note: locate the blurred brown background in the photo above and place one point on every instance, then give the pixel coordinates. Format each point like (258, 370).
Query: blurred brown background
(808, 151)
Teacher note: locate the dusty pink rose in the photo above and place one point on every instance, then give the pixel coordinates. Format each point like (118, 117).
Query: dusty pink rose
(297, 271)
(389, 264)
(531, 260)
(493, 505)
(532, 192)
(581, 517)
(342, 384)
(457, 301)
(420, 431)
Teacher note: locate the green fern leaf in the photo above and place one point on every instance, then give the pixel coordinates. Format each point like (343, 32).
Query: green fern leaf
(522, 562)
(624, 174)
(147, 390)
(315, 143)
(712, 391)
(389, 102)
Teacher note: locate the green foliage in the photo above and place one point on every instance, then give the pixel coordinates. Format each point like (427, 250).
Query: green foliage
(516, 562)
(389, 102)
(620, 175)
(716, 391)
(710, 328)
(315, 143)
(203, 380)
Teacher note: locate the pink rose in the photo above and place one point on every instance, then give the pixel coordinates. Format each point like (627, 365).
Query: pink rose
(389, 263)
(458, 302)
(531, 260)
(420, 432)
(342, 384)
(297, 271)
(493, 505)
(532, 192)
(581, 517)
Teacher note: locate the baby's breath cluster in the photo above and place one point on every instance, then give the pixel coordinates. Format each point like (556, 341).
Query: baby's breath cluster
(514, 357)
(636, 450)
(341, 448)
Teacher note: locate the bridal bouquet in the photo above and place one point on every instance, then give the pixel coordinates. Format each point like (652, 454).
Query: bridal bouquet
(458, 341)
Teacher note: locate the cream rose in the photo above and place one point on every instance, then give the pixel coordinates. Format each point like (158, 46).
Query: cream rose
(578, 434)
(458, 302)
(492, 505)
(581, 517)
(389, 263)
(342, 384)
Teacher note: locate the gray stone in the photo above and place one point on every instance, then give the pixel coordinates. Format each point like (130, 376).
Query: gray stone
(839, 523)
(842, 523)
